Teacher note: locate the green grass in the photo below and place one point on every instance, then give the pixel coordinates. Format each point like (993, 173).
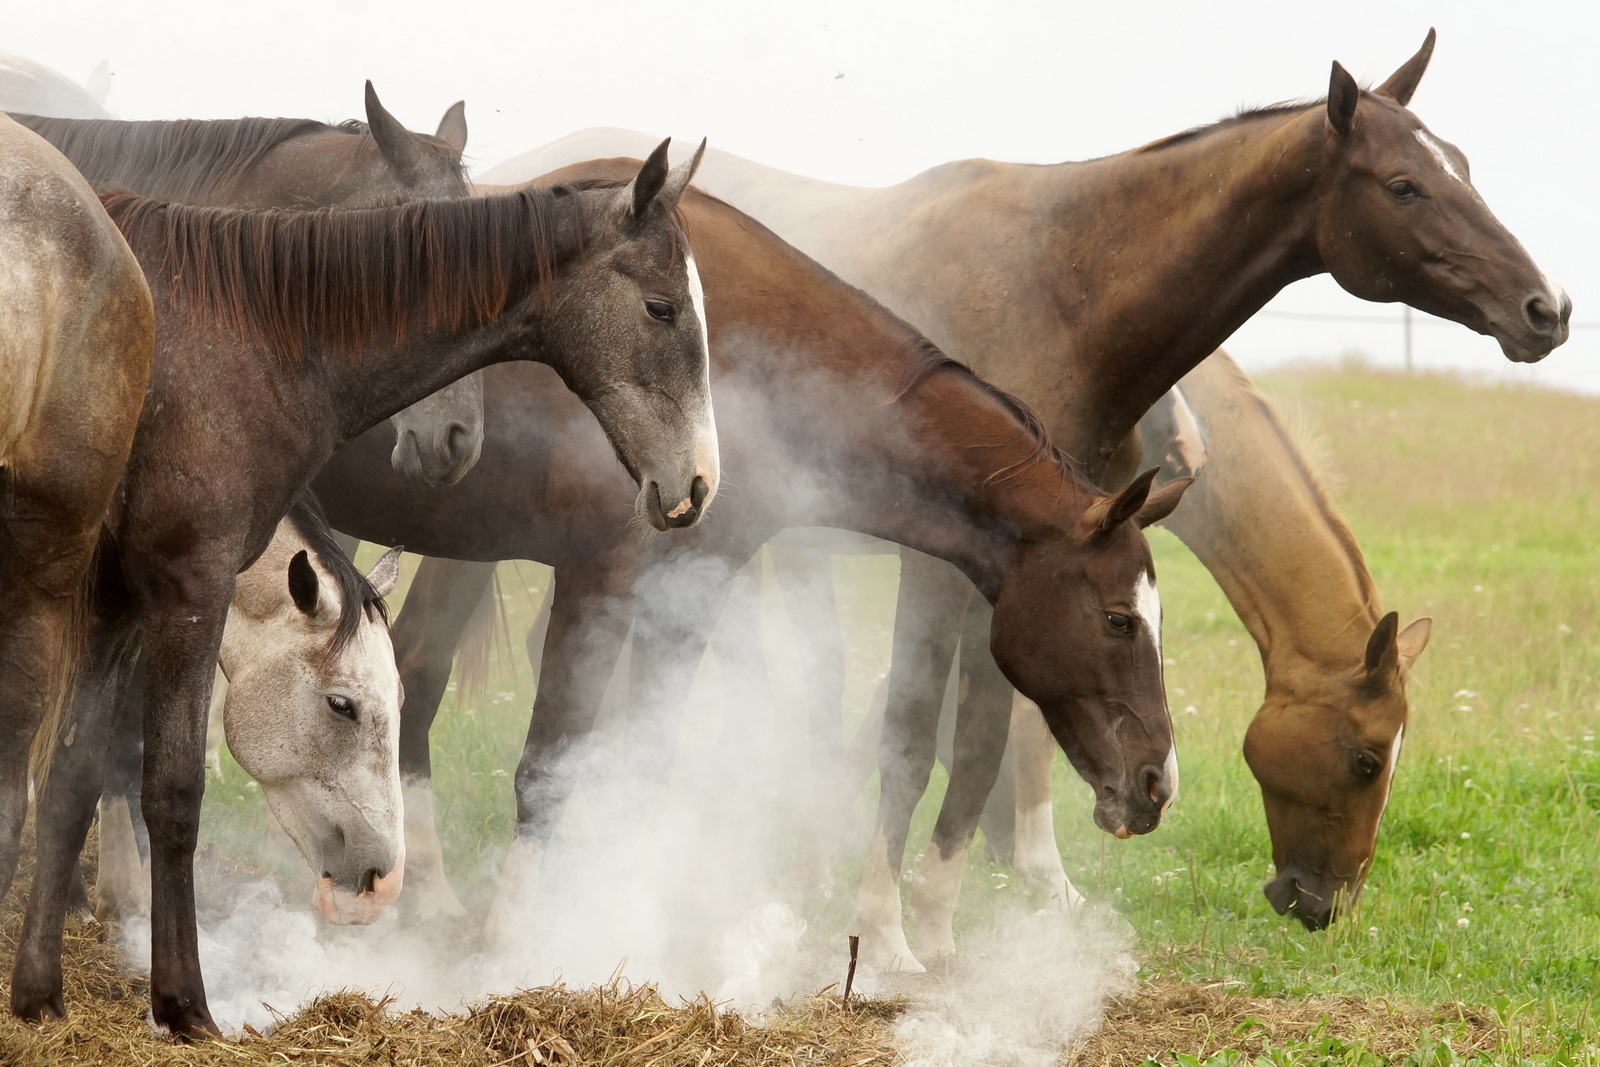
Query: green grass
(1474, 505)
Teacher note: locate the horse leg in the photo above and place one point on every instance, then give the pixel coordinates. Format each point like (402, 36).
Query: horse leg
(64, 812)
(983, 717)
(931, 594)
(185, 607)
(805, 576)
(122, 882)
(736, 638)
(1038, 859)
(580, 651)
(443, 596)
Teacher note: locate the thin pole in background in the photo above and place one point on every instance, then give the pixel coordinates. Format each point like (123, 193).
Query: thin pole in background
(1408, 337)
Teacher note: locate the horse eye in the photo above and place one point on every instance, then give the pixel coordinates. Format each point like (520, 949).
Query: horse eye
(1367, 765)
(1402, 190)
(1121, 625)
(343, 706)
(660, 310)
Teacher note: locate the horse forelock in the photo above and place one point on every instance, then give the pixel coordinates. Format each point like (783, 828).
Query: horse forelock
(343, 279)
(179, 159)
(358, 601)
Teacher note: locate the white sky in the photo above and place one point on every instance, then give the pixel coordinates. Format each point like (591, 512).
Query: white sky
(1516, 86)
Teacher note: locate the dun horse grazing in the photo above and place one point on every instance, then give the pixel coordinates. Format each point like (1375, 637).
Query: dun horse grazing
(76, 336)
(312, 713)
(844, 417)
(1089, 289)
(281, 336)
(299, 163)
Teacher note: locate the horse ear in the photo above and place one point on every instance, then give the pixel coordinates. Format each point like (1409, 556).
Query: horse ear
(680, 178)
(1159, 504)
(1343, 94)
(303, 584)
(1109, 512)
(393, 139)
(652, 176)
(1403, 82)
(1383, 654)
(453, 127)
(385, 572)
(1412, 640)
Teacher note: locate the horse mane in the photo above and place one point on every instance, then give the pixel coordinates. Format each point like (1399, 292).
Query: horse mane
(348, 278)
(173, 159)
(1308, 453)
(923, 359)
(357, 599)
(1238, 118)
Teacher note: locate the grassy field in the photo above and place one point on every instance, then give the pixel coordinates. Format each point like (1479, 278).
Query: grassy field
(1482, 914)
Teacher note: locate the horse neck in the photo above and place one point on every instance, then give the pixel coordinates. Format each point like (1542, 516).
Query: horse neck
(1106, 280)
(1294, 574)
(829, 384)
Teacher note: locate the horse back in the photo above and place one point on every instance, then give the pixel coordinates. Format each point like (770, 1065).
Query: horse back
(76, 326)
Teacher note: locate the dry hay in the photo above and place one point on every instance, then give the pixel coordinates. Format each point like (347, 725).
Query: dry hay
(630, 1024)
(1166, 1016)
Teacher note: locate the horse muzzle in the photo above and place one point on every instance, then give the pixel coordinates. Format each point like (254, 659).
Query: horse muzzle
(1294, 892)
(1546, 324)
(360, 906)
(1132, 812)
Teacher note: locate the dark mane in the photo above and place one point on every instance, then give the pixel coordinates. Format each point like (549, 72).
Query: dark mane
(923, 359)
(1239, 118)
(343, 279)
(173, 159)
(357, 599)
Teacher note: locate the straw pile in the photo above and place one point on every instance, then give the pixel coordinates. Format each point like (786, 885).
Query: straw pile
(630, 1024)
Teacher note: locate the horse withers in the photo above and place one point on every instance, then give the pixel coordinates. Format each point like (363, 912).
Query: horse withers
(312, 713)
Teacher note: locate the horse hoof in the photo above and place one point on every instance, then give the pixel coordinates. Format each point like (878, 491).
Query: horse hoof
(183, 1018)
(32, 1006)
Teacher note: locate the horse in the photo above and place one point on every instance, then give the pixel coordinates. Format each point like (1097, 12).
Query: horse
(75, 352)
(281, 335)
(298, 163)
(1089, 289)
(842, 416)
(312, 714)
(1301, 586)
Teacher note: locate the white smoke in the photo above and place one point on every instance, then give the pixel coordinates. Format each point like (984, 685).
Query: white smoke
(708, 882)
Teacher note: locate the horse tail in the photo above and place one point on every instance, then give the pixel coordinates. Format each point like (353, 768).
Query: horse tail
(63, 678)
(486, 627)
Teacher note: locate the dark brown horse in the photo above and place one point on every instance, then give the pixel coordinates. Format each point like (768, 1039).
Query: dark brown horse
(840, 415)
(74, 364)
(1089, 289)
(281, 335)
(299, 163)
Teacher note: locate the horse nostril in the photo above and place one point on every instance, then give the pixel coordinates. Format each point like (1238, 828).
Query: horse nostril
(1566, 309)
(699, 489)
(457, 438)
(1155, 785)
(369, 881)
(1541, 316)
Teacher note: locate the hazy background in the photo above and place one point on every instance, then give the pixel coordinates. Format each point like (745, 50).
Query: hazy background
(871, 93)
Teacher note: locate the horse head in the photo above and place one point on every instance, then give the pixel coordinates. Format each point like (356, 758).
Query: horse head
(313, 715)
(1323, 812)
(1077, 627)
(1396, 217)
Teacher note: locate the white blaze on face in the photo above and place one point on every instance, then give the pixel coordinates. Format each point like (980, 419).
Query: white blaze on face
(1147, 603)
(707, 460)
(1440, 156)
(1394, 763)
